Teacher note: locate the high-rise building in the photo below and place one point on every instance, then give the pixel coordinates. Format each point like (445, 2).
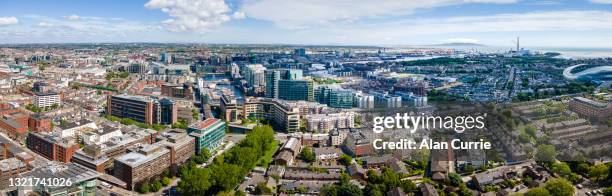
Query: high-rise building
(296, 90)
(272, 79)
(288, 84)
(300, 52)
(254, 75)
(208, 134)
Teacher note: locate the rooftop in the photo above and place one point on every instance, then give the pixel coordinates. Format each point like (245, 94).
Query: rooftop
(73, 171)
(144, 154)
(10, 164)
(591, 102)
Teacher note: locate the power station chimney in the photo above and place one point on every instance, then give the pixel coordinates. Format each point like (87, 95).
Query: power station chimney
(518, 44)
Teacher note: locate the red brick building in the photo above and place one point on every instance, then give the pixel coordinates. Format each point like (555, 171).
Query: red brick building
(15, 125)
(52, 148)
(39, 123)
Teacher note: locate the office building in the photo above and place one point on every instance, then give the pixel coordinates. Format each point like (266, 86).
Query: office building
(287, 84)
(141, 165)
(272, 79)
(181, 147)
(301, 52)
(412, 99)
(254, 75)
(52, 147)
(364, 101)
(385, 100)
(296, 90)
(138, 68)
(335, 98)
(208, 134)
(142, 109)
(133, 107)
(168, 111)
(47, 99)
(92, 157)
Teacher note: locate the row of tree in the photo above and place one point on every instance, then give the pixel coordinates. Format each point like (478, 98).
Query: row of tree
(228, 169)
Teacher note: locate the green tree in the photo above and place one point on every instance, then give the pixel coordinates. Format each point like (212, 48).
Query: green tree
(308, 155)
(464, 191)
(165, 181)
(559, 187)
(144, 188)
(202, 157)
(608, 191)
(531, 130)
(329, 190)
(345, 159)
(598, 172)
(546, 153)
(455, 179)
(537, 192)
(348, 189)
(261, 188)
(226, 176)
(562, 169)
(156, 186)
(194, 181)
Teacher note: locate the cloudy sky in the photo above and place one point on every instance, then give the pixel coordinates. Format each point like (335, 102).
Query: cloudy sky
(539, 23)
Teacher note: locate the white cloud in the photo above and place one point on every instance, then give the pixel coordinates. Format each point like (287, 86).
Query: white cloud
(602, 1)
(73, 17)
(46, 24)
(194, 15)
(461, 40)
(292, 14)
(8, 21)
(239, 15)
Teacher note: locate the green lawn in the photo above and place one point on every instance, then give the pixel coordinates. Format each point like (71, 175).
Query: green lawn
(267, 158)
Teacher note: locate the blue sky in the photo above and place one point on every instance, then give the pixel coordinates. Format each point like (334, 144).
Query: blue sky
(539, 23)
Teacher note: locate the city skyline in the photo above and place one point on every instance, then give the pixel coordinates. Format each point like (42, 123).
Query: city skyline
(577, 23)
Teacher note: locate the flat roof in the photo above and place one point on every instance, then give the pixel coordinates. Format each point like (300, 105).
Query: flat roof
(137, 158)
